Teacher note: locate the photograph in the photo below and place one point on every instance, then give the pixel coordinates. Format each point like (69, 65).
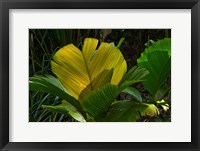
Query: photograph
(100, 75)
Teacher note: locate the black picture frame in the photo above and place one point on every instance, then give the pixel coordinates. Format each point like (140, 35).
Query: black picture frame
(5, 5)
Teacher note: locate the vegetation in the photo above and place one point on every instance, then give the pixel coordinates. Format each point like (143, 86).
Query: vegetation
(114, 76)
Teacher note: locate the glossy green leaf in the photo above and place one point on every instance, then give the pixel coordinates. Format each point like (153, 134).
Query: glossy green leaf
(66, 108)
(134, 93)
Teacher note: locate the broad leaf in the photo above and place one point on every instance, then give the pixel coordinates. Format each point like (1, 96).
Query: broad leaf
(159, 67)
(150, 110)
(160, 45)
(103, 78)
(134, 93)
(120, 105)
(157, 60)
(121, 111)
(50, 84)
(77, 69)
(134, 75)
(98, 102)
(128, 115)
(161, 93)
(66, 108)
(144, 109)
(127, 111)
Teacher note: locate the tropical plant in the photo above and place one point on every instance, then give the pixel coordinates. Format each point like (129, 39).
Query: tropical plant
(157, 60)
(89, 81)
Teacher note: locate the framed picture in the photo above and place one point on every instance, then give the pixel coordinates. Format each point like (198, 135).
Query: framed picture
(103, 75)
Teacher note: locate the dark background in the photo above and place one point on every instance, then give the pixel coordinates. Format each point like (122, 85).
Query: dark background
(45, 42)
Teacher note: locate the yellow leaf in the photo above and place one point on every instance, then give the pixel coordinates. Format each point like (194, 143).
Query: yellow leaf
(90, 68)
(90, 45)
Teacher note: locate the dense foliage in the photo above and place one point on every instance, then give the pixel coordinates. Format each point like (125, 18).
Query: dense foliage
(129, 82)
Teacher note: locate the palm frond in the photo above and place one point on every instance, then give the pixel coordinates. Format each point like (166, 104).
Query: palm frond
(78, 70)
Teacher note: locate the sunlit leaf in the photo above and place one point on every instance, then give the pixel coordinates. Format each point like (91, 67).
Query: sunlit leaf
(103, 78)
(77, 69)
(163, 104)
(150, 110)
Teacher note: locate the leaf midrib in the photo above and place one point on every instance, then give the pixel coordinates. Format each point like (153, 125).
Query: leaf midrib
(88, 73)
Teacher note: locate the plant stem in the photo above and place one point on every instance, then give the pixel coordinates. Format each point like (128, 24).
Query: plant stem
(120, 42)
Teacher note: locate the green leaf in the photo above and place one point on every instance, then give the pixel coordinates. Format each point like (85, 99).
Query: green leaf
(134, 93)
(160, 45)
(66, 108)
(161, 93)
(150, 110)
(120, 42)
(121, 105)
(144, 109)
(159, 67)
(157, 60)
(121, 111)
(98, 102)
(50, 84)
(128, 115)
(163, 104)
(134, 75)
(128, 111)
(124, 111)
(103, 78)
